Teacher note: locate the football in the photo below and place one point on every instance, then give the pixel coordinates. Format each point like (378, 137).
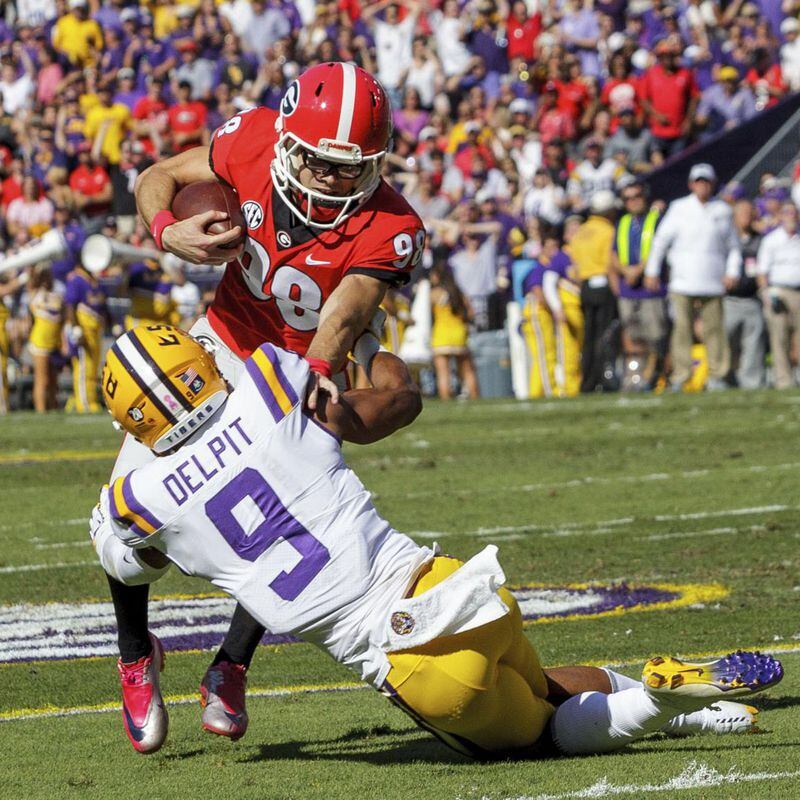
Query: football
(202, 196)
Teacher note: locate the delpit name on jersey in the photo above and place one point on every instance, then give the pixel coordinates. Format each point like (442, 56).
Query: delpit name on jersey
(191, 475)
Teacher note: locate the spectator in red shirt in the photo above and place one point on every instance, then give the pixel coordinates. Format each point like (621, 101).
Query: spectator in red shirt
(187, 120)
(551, 121)
(471, 148)
(765, 79)
(150, 117)
(91, 188)
(669, 96)
(12, 184)
(522, 31)
(621, 89)
(573, 94)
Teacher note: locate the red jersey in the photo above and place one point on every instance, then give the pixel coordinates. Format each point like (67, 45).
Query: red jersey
(573, 97)
(90, 182)
(522, 37)
(275, 291)
(669, 94)
(761, 84)
(187, 118)
(154, 111)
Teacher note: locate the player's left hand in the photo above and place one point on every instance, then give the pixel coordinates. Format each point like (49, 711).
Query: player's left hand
(318, 386)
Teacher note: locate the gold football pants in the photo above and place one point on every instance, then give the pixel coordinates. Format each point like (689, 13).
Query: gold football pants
(481, 691)
(537, 328)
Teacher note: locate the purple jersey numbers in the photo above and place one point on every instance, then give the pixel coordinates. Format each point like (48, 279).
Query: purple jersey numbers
(277, 524)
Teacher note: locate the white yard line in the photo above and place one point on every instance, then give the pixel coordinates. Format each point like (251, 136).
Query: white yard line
(60, 545)
(51, 523)
(694, 776)
(594, 528)
(657, 537)
(40, 567)
(602, 480)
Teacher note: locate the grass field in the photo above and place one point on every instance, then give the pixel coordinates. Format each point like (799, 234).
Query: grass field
(689, 490)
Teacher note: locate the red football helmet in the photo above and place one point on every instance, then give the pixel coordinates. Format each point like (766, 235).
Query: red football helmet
(334, 112)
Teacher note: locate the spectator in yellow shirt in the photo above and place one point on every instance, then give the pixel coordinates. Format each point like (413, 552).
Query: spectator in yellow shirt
(590, 250)
(77, 36)
(109, 121)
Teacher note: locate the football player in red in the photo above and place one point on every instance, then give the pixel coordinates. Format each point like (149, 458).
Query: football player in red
(326, 237)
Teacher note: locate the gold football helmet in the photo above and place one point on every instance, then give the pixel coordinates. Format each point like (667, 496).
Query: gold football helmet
(161, 385)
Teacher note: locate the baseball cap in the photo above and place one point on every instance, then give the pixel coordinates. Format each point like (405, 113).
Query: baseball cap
(518, 130)
(428, 132)
(790, 25)
(128, 14)
(185, 11)
(519, 106)
(602, 202)
(126, 73)
(186, 45)
(591, 142)
(703, 172)
(77, 3)
(472, 126)
(728, 74)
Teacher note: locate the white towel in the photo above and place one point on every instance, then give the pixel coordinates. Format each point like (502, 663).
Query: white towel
(464, 600)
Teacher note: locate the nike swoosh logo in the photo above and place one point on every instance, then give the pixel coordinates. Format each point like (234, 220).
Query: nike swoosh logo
(312, 262)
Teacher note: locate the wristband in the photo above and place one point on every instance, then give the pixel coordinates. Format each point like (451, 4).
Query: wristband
(321, 366)
(160, 221)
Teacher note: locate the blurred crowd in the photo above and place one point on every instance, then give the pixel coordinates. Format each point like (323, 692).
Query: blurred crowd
(511, 118)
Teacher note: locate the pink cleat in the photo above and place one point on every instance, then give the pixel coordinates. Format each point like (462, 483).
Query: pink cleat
(223, 700)
(143, 711)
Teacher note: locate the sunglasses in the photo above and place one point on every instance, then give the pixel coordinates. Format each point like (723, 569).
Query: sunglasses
(627, 197)
(321, 168)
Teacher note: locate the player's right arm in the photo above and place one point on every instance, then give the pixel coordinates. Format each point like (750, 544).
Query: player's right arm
(364, 416)
(155, 190)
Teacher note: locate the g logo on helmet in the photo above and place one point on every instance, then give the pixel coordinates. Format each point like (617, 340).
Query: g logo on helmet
(290, 99)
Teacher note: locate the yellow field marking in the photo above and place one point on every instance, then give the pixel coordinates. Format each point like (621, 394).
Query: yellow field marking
(57, 455)
(50, 711)
(690, 593)
(45, 712)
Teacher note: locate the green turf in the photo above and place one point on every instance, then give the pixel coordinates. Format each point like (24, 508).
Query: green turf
(690, 489)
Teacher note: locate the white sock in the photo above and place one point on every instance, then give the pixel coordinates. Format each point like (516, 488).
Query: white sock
(620, 682)
(598, 723)
(703, 721)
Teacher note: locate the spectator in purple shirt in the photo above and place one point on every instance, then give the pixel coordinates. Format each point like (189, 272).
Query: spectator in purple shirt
(580, 31)
(411, 118)
(113, 58)
(724, 105)
(487, 40)
(233, 66)
(127, 93)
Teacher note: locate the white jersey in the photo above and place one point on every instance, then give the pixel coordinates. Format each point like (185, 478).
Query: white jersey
(262, 504)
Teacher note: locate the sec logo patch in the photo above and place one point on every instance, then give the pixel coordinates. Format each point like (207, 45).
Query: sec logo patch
(253, 214)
